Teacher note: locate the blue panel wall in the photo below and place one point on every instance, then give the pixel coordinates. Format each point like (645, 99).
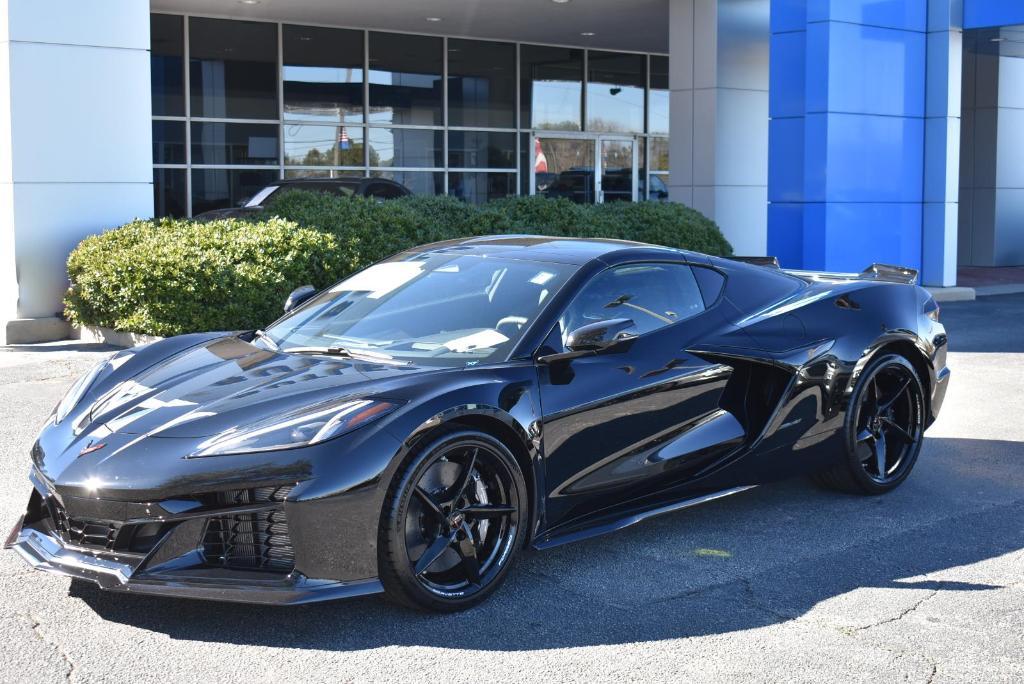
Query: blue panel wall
(987, 13)
(847, 132)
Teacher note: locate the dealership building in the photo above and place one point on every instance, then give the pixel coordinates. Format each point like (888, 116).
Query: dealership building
(830, 133)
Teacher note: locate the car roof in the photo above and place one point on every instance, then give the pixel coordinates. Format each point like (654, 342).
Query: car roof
(542, 248)
(349, 180)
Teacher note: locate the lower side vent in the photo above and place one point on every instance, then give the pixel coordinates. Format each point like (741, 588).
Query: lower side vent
(250, 541)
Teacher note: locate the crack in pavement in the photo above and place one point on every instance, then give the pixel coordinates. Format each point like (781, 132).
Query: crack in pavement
(36, 623)
(852, 633)
(904, 613)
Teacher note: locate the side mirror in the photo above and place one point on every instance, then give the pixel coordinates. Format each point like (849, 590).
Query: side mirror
(593, 338)
(298, 296)
(599, 336)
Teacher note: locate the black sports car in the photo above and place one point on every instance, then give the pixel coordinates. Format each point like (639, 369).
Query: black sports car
(410, 429)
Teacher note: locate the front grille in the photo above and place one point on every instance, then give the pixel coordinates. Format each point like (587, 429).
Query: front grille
(91, 534)
(250, 541)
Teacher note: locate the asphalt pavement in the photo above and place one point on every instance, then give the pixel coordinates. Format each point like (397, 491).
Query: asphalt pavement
(782, 583)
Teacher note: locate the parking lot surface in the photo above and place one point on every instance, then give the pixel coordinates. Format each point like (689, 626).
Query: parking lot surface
(782, 583)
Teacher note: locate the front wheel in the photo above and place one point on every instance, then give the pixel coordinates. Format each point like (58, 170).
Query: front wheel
(884, 429)
(453, 521)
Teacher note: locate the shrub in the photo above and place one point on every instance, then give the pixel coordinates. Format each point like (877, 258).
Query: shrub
(173, 276)
(370, 230)
(169, 276)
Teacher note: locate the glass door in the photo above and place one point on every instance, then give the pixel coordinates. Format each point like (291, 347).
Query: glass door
(585, 169)
(617, 176)
(563, 166)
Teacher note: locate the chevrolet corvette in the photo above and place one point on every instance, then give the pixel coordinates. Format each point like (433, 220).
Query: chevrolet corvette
(411, 429)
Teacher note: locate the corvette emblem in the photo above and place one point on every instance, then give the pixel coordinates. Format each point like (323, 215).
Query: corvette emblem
(93, 446)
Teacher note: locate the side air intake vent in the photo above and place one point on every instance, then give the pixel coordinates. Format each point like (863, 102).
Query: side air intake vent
(250, 541)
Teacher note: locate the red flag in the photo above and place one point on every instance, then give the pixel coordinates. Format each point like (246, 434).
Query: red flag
(541, 163)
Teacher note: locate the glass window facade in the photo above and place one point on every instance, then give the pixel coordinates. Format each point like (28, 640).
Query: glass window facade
(220, 188)
(657, 102)
(322, 72)
(551, 87)
(615, 92)
(232, 68)
(167, 64)
(481, 84)
(168, 142)
(236, 144)
(238, 104)
(405, 79)
(657, 128)
(317, 145)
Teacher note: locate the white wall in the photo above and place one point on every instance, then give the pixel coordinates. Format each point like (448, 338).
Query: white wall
(991, 217)
(75, 138)
(718, 71)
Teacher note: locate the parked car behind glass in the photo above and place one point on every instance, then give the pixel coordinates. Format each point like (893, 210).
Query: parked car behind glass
(378, 188)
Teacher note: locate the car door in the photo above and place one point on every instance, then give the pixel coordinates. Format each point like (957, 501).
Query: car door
(382, 191)
(624, 423)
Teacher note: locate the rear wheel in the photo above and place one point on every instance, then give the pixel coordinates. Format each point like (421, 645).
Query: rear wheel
(884, 429)
(453, 522)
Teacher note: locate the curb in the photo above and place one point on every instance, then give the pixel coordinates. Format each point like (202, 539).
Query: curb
(953, 294)
(115, 338)
(992, 290)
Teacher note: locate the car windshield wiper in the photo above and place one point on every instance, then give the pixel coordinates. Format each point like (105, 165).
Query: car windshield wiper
(261, 335)
(343, 352)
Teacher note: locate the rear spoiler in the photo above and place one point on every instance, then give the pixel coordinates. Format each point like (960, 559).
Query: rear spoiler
(886, 273)
(769, 261)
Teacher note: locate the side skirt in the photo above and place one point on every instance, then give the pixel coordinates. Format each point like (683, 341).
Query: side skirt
(549, 542)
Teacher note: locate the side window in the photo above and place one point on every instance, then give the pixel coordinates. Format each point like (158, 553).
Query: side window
(652, 295)
(383, 191)
(711, 283)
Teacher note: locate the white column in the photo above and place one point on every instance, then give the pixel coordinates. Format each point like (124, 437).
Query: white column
(718, 76)
(75, 144)
(991, 174)
(944, 60)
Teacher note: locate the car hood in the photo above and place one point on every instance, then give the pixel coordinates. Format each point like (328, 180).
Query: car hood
(228, 382)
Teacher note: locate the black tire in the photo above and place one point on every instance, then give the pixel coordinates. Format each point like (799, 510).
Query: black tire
(454, 518)
(884, 429)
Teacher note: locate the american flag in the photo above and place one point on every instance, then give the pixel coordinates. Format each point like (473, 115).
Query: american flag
(343, 139)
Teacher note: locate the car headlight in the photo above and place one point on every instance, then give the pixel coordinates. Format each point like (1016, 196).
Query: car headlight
(311, 425)
(77, 391)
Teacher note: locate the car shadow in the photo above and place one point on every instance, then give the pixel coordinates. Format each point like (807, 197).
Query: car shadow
(756, 559)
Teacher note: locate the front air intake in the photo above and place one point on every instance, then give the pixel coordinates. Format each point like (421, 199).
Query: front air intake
(250, 541)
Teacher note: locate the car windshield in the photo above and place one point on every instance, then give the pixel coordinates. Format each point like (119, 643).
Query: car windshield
(436, 309)
(343, 188)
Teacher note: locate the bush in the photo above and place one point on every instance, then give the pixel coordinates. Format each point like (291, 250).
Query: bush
(169, 277)
(173, 276)
(370, 231)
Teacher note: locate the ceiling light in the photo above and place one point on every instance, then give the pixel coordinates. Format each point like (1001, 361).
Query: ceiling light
(588, 33)
(560, 2)
(248, 2)
(434, 19)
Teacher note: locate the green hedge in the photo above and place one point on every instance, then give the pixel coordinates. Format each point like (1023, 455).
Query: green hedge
(173, 276)
(170, 276)
(373, 230)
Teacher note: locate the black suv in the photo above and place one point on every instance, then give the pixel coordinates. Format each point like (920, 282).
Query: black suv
(378, 188)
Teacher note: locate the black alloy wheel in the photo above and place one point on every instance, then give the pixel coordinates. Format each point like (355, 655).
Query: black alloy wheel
(454, 522)
(885, 429)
